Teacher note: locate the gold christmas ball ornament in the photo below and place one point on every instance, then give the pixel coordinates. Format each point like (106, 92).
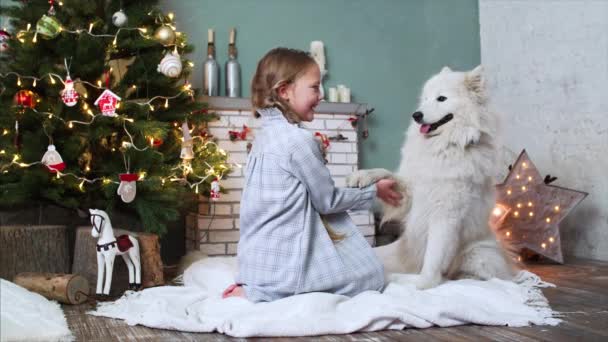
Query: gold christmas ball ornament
(165, 35)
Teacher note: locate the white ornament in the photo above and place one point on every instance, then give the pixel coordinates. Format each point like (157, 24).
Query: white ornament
(69, 96)
(108, 246)
(170, 65)
(52, 159)
(119, 19)
(127, 188)
(187, 153)
(215, 190)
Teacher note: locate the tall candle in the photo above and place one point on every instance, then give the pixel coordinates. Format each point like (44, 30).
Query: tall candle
(317, 51)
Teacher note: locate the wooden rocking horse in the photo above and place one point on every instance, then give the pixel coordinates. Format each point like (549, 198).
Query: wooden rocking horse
(108, 247)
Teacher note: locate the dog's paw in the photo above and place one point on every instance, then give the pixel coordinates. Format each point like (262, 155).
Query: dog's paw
(359, 179)
(471, 136)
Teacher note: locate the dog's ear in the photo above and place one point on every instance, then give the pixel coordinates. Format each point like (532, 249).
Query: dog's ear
(475, 83)
(445, 69)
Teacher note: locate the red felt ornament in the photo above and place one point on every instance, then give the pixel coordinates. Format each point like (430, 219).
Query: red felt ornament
(69, 96)
(25, 98)
(234, 135)
(107, 102)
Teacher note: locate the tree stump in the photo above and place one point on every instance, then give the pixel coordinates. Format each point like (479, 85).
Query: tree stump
(151, 263)
(33, 249)
(64, 288)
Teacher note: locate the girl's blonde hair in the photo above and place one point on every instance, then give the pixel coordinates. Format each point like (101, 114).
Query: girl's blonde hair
(280, 66)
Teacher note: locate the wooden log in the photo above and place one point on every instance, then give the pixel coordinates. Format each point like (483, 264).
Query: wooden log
(33, 249)
(151, 263)
(64, 288)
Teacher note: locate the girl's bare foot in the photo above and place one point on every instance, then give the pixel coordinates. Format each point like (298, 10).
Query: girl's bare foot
(234, 290)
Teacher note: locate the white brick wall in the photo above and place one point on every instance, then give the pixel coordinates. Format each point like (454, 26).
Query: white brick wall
(214, 230)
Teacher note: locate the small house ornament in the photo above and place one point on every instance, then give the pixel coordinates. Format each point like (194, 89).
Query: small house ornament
(107, 102)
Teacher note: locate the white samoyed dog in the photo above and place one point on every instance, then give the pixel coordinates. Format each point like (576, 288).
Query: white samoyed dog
(447, 178)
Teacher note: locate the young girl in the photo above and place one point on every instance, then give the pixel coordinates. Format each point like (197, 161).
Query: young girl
(289, 195)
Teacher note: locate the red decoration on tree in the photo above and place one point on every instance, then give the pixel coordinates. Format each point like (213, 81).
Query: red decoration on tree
(107, 102)
(234, 135)
(69, 96)
(25, 98)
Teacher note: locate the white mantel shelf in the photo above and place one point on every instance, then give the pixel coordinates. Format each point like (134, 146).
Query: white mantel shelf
(244, 103)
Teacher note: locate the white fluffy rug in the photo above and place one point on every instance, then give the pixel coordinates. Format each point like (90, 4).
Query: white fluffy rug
(198, 307)
(27, 316)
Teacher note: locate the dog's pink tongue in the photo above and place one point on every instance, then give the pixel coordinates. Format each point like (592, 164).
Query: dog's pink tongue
(425, 128)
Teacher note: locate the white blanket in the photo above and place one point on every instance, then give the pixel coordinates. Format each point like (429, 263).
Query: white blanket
(27, 316)
(198, 307)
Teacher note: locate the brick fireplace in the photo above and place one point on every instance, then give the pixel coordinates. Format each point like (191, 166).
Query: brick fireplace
(214, 230)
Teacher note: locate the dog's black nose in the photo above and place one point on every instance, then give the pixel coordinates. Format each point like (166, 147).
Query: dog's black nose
(417, 116)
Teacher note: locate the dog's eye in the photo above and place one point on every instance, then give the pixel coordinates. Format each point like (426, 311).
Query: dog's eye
(441, 98)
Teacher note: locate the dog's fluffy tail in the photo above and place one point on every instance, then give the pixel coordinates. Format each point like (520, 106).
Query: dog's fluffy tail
(187, 260)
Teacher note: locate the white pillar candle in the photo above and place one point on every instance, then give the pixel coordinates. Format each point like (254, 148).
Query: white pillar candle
(344, 94)
(333, 95)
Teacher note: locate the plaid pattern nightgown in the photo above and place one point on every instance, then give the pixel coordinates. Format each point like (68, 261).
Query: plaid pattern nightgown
(284, 248)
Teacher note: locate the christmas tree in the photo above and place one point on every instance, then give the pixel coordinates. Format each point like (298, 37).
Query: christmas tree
(96, 111)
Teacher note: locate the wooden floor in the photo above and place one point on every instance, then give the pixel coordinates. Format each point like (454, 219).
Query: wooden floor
(581, 296)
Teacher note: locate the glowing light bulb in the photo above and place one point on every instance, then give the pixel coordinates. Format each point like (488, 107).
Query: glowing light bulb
(167, 103)
(551, 239)
(548, 219)
(529, 204)
(509, 192)
(497, 211)
(170, 15)
(524, 164)
(99, 83)
(52, 79)
(530, 178)
(91, 27)
(556, 208)
(523, 188)
(33, 85)
(516, 214)
(35, 39)
(531, 214)
(19, 81)
(508, 233)
(70, 124)
(543, 245)
(519, 205)
(517, 177)
(81, 186)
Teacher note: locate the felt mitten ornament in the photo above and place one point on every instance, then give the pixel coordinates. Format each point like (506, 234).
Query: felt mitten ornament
(53, 160)
(127, 188)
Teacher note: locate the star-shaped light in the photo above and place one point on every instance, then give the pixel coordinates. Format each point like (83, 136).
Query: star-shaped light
(533, 209)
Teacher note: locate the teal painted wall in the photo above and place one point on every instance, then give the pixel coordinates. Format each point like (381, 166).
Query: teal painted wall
(383, 50)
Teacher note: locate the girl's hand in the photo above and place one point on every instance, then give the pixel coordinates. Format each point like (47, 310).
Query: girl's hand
(385, 191)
